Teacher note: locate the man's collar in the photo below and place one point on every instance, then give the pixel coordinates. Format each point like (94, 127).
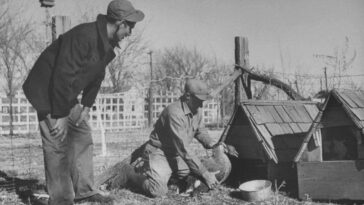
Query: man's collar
(101, 27)
(186, 109)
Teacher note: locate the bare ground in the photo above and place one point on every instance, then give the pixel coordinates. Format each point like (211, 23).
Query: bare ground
(22, 157)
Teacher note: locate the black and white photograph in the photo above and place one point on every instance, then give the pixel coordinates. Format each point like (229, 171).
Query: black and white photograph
(181, 102)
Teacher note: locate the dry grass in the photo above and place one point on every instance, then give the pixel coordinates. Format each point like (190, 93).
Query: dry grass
(22, 156)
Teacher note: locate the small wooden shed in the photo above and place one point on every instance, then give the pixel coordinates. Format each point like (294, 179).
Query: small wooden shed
(267, 136)
(330, 162)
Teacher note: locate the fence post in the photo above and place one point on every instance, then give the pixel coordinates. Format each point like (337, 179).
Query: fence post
(150, 93)
(99, 106)
(60, 24)
(242, 59)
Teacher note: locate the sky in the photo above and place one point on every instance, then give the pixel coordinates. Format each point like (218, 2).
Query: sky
(294, 29)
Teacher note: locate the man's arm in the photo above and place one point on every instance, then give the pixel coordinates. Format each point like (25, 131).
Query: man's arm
(90, 92)
(179, 136)
(203, 136)
(177, 132)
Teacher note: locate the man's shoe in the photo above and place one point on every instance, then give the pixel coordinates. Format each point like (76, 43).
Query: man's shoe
(104, 200)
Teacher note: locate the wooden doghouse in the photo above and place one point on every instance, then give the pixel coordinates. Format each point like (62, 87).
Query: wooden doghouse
(330, 163)
(267, 136)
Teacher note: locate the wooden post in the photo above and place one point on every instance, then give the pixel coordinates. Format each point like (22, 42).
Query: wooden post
(60, 24)
(325, 72)
(150, 104)
(99, 107)
(297, 88)
(242, 59)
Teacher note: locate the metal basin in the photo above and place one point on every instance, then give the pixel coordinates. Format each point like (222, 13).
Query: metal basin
(256, 190)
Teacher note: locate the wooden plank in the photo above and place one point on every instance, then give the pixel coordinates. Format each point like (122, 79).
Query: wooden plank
(282, 113)
(304, 126)
(295, 128)
(274, 113)
(274, 129)
(317, 138)
(270, 152)
(346, 98)
(359, 113)
(331, 180)
(265, 114)
(287, 129)
(291, 111)
(360, 94)
(267, 136)
(312, 110)
(255, 113)
(304, 116)
(357, 99)
(277, 102)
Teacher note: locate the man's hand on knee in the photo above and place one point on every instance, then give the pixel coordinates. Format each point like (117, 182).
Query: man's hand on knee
(84, 115)
(60, 128)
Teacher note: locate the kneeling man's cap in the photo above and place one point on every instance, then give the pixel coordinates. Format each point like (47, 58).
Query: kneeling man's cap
(124, 10)
(198, 88)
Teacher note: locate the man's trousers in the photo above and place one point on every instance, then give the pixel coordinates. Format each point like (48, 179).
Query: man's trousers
(68, 163)
(158, 168)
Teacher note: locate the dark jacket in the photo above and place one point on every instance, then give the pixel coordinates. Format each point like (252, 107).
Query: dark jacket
(72, 64)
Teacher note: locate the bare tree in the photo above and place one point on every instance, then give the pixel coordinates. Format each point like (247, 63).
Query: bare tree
(178, 63)
(123, 70)
(14, 61)
(215, 77)
(339, 62)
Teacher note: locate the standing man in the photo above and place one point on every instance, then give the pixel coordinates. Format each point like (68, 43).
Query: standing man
(169, 148)
(75, 63)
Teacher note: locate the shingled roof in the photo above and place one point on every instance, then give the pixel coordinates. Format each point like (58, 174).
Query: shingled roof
(352, 102)
(277, 118)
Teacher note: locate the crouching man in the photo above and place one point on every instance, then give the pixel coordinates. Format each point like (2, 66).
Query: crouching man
(168, 151)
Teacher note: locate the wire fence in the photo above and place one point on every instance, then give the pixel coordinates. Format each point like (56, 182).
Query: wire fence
(22, 156)
(111, 112)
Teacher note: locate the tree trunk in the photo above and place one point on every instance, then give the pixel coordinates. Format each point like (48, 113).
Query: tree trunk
(275, 82)
(11, 114)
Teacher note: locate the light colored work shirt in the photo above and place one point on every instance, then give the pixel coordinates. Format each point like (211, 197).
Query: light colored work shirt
(175, 130)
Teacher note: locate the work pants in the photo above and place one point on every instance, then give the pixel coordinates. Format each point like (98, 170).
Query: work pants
(158, 168)
(68, 163)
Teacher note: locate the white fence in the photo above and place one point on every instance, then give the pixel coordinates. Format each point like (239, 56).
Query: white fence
(111, 112)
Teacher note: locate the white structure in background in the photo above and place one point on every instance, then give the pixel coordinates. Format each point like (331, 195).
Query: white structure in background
(211, 109)
(117, 111)
(25, 118)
